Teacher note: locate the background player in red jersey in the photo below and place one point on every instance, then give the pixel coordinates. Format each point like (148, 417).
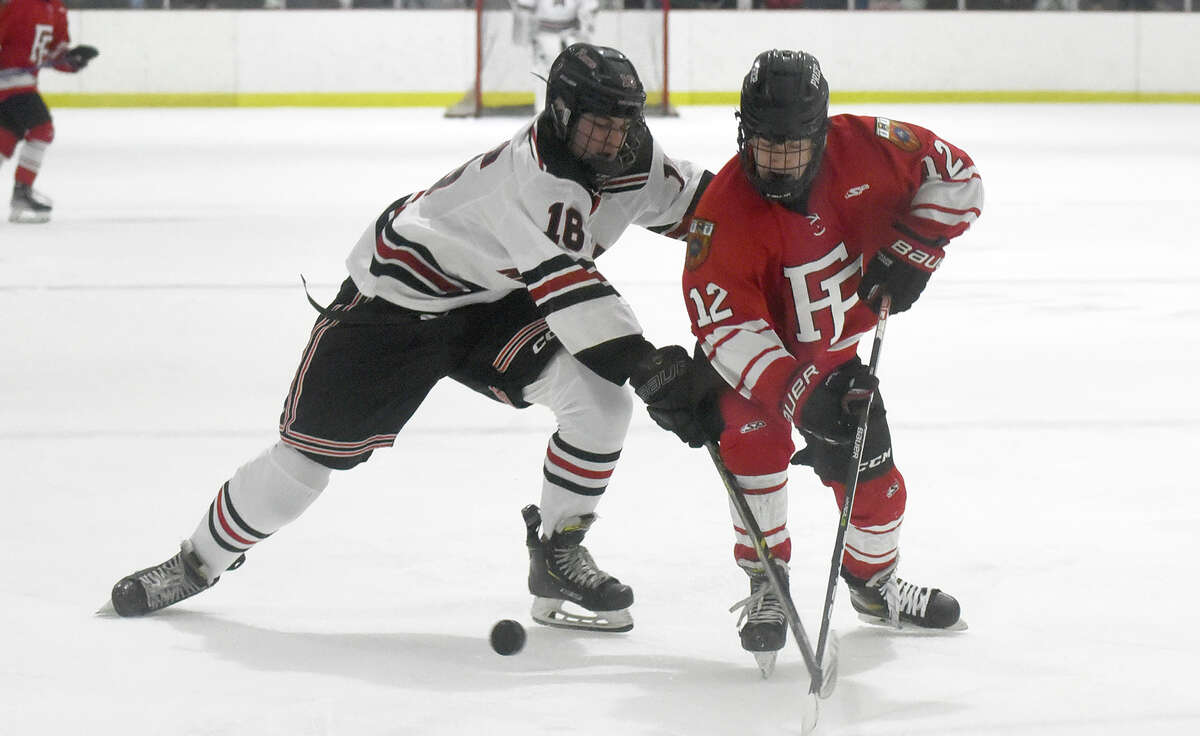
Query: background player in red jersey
(33, 34)
(792, 246)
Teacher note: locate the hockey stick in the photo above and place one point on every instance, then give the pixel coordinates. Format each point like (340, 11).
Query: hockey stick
(764, 555)
(856, 451)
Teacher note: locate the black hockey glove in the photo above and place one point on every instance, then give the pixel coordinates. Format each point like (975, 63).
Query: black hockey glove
(901, 270)
(669, 381)
(78, 57)
(832, 411)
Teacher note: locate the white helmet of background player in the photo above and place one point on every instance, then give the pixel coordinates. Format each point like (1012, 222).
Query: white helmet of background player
(596, 102)
(783, 120)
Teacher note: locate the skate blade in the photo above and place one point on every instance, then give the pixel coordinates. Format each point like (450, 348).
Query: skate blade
(960, 625)
(766, 663)
(550, 612)
(107, 610)
(26, 217)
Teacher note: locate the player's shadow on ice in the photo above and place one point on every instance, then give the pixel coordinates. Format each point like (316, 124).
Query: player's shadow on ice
(663, 687)
(442, 661)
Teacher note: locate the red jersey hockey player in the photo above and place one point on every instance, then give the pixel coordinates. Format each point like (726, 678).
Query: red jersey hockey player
(33, 34)
(791, 248)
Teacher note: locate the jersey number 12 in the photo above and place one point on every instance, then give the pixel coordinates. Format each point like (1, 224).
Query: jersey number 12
(707, 314)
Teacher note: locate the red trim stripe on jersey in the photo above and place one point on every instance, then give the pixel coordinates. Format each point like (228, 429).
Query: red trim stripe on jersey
(560, 284)
(410, 259)
(533, 147)
(750, 365)
(625, 184)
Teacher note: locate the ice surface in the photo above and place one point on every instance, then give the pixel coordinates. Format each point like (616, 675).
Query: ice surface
(1042, 397)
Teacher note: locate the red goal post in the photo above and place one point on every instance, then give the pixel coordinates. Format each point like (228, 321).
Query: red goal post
(503, 83)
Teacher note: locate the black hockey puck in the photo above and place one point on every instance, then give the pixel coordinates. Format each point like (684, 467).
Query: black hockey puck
(508, 637)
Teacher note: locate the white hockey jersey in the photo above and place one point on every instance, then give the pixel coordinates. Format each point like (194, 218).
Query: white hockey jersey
(559, 16)
(523, 216)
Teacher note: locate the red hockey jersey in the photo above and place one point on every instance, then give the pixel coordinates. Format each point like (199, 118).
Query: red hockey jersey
(773, 293)
(31, 31)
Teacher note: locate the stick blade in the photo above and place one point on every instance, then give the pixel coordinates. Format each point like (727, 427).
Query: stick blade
(810, 713)
(829, 666)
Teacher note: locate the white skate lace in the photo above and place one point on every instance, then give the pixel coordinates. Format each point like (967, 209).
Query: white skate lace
(904, 597)
(762, 606)
(577, 563)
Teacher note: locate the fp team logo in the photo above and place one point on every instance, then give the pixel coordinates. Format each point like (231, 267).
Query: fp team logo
(820, 287)
(42, 36)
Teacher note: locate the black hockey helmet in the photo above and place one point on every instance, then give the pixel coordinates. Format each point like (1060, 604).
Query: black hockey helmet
(600, 80)
(785, 97)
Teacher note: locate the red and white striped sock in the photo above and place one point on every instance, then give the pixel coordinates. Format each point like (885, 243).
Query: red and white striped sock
(574, 481)
(766, 495)
(262, 496)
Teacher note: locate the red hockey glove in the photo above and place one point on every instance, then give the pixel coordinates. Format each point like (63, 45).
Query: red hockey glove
(901, 269)
(834, 404)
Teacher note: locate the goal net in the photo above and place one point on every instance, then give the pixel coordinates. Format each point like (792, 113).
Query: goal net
(503, 81)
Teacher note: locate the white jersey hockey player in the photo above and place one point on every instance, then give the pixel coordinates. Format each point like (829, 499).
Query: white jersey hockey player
(486, 277)
(549, 26)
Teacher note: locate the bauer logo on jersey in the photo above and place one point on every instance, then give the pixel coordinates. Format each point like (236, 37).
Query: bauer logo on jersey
(699, 241)
(898, 133)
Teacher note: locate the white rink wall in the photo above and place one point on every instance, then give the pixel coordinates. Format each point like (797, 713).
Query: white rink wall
(429, 54)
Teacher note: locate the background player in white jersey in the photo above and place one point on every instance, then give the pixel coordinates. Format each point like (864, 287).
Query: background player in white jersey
(549, 26)
(790, 250)
(487, 277)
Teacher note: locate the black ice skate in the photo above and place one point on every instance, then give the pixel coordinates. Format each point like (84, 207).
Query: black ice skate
(765, 630)
(888, 600)
(155, 588)
(562, 571)
(29, 206)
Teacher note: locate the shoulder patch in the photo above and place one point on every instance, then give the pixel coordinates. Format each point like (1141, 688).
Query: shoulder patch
(699, 241)
(898, 133)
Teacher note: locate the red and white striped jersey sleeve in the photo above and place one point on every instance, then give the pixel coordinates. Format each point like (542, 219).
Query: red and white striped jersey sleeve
(749, 356)
(947, 191)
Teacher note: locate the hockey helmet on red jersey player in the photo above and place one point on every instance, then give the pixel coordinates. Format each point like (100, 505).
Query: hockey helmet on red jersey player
(596, 101)
(783, 121)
